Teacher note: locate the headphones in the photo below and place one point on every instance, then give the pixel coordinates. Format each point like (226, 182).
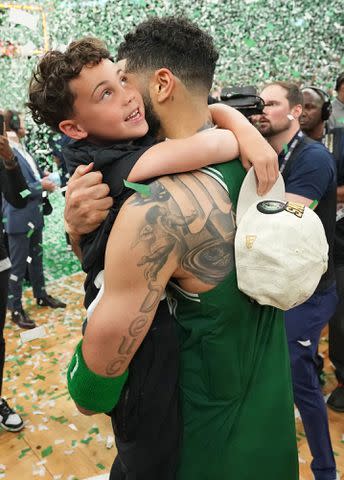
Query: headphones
(326, 108)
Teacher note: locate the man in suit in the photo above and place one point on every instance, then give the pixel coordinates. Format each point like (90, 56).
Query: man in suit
(24, 228)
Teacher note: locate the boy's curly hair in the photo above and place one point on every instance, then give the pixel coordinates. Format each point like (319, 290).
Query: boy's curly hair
(174, 43)
(50, 98)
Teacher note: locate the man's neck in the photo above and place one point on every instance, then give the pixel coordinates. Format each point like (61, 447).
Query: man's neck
(317, 132)
(185, 118)
(279, 140)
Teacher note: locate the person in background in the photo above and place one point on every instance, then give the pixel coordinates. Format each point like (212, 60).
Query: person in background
(12, 183)
(24, 228)
(309, 173)
(313, 121)
(337, 117)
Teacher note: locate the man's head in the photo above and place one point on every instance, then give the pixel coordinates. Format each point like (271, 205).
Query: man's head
(14, 122)
(340, 87)
(283, 108)
(316, 109)
(171, 59)
(83, 93)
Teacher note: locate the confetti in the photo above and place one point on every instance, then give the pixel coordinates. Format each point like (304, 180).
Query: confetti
(29, 259)
(25, 193)
(47, 451)
(28, 335)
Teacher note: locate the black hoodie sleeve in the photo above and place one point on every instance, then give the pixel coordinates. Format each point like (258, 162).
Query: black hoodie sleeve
(12, 183)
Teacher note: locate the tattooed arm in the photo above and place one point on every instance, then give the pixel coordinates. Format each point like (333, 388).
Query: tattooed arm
(185, 229)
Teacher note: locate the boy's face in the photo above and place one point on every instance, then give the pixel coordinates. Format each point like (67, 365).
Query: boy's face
(106, 106)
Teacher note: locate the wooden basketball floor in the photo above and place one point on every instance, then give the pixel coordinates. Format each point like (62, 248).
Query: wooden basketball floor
(59, 443)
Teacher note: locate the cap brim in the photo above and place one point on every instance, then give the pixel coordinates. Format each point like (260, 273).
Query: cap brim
(248, 193)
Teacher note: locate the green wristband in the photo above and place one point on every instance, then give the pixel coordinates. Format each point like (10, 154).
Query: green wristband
(89, 390)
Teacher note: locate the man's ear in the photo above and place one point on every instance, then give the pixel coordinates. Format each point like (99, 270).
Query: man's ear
(163, 85)
(296, 111)
(72, 129)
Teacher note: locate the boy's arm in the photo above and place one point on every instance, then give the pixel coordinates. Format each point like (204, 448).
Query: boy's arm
(186, 154)
(254, 149)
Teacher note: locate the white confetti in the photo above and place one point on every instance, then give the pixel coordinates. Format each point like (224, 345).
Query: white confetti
(73, 427)
(29, 259)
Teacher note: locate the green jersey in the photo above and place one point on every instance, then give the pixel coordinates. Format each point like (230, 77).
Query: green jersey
(236, 392)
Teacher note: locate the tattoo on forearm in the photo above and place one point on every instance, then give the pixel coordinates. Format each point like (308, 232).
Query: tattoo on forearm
(135, 330)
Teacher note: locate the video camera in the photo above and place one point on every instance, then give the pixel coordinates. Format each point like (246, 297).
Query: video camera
(244, 99)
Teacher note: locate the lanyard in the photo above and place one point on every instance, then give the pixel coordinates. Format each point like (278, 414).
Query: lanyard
(291, 150)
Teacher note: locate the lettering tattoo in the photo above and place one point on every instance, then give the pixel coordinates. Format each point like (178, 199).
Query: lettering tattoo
(135, 330)
(196, 224)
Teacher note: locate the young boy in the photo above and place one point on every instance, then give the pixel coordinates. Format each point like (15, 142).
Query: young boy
(86, 96)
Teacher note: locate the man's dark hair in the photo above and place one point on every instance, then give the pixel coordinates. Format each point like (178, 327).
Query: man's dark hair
(174, 43)
(339, 81)
(294, 94)
(50, 98)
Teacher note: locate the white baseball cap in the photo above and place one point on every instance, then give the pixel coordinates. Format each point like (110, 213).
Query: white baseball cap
(281, 251)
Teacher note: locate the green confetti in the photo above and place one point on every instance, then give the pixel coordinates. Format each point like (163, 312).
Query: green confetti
(61, 419)
(101, 466)
(30, 232)
(250, 42)
(25, 193)
(47, 451)
(144, 190)
(93, 430)
(86, 441)
(24, 452)
(313, 205)
(285, 148)
(40, 377)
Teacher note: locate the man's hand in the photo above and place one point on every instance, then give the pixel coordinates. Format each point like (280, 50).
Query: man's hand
(6, 153)
(87, 201)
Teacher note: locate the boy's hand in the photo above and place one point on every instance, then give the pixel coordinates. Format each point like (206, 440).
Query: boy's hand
(259, 154)
(87, 201)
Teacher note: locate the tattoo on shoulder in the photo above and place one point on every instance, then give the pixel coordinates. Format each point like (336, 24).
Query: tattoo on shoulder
(199, 227)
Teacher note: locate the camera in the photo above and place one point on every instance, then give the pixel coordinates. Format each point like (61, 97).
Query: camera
(244, 99)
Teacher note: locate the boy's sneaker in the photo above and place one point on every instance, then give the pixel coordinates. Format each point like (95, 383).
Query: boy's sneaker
(336, 400)
(9, 419)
